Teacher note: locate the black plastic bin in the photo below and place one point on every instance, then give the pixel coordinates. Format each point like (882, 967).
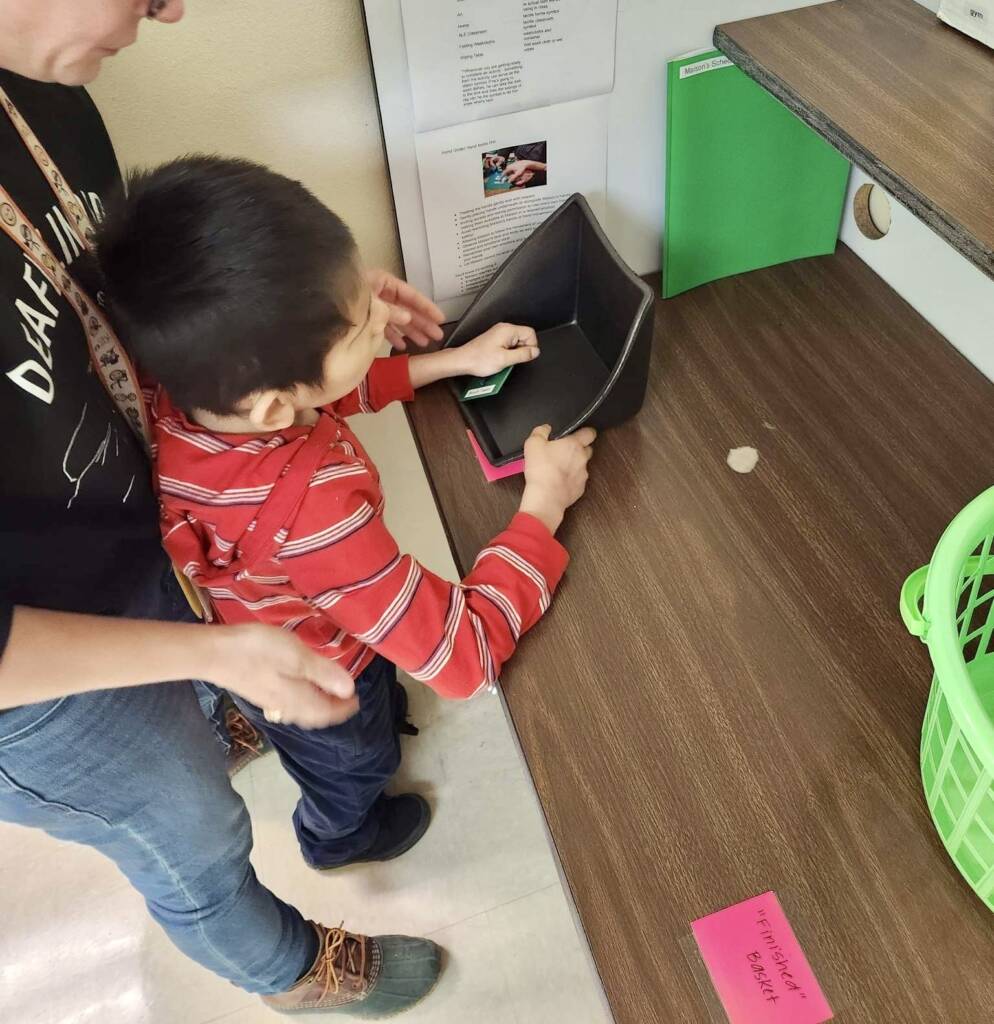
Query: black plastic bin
(594, 320)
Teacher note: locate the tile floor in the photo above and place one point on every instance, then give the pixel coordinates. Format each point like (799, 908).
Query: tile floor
(77, 947)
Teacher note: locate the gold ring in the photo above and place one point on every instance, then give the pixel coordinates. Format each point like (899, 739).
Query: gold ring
(273, 715)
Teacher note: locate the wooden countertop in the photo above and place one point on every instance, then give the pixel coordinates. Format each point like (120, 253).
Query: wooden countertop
(723, 699)
(905, 97)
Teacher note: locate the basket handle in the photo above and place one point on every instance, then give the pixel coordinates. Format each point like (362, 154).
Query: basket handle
(911, 596)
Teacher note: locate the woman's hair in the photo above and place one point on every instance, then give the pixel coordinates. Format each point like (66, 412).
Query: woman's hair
(224, 278)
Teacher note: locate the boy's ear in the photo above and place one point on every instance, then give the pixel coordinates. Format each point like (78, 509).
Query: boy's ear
(272, 410)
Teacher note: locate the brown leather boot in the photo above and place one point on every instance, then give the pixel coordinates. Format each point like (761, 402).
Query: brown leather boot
(363, 976)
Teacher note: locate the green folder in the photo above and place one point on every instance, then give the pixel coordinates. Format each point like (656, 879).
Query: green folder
(747, 183)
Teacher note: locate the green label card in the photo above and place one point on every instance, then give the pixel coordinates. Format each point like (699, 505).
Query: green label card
(485, 387)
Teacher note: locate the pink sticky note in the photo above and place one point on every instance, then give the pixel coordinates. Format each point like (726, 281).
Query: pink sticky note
(490, 471)
(757, 965)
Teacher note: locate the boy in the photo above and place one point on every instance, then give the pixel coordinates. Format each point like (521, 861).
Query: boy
(243, 297)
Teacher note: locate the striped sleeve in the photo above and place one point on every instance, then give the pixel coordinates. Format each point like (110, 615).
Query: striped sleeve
(388, 380)
(453, 637)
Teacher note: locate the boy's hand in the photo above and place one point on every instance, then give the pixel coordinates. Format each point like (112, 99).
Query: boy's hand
(413, 316)
(503, 345)
(555, 473)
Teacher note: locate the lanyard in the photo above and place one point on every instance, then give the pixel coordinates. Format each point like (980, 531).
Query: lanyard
(107, 354)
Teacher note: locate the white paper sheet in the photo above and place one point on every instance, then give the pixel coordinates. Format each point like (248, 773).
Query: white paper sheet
(470, 232)
(473, 59)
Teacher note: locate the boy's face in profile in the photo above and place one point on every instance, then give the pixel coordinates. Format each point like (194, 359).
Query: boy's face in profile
(345, 365)
(349, 359)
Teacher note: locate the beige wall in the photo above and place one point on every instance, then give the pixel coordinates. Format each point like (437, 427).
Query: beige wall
(284, 82)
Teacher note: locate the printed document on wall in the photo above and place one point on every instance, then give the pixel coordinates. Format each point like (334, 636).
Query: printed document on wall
(486, 185)
(473, 59)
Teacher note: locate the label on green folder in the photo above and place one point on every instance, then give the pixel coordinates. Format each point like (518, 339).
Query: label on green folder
(485, 387)
(699, 67)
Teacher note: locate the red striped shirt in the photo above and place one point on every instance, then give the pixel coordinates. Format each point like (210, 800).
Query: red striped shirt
(288, 529)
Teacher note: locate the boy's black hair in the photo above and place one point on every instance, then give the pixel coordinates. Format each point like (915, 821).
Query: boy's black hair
(224, 278)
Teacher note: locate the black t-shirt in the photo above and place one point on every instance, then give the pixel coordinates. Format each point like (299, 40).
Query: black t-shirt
(78, 519)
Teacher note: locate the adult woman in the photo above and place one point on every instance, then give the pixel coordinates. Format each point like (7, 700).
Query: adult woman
(88, 752)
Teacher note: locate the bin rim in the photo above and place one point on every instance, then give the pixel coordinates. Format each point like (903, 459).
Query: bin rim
(942, 589)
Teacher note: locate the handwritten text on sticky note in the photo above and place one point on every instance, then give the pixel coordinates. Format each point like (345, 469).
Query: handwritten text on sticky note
(757, 965)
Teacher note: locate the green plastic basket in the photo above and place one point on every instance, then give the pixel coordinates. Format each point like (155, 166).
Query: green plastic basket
(949, 604)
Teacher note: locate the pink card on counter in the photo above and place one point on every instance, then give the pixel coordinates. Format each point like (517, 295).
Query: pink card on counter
(490, 471)
(757, 965)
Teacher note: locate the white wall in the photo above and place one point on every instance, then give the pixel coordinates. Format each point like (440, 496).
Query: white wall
(944, 286)
(926, 271)
(289, 83)
(284, 82)
(651, 32)
(948, 291)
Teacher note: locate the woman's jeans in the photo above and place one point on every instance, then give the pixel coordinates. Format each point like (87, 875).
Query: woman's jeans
(138, 774)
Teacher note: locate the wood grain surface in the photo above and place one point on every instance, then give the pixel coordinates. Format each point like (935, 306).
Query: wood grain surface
(723, 699)
(904, 96)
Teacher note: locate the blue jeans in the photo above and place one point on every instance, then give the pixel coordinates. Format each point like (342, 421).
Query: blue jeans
(137, 774)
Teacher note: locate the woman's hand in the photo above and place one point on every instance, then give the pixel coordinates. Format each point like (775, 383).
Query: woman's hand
(413, 316)
(503, 345)
(54, 654)
(280, 674)
(492, 161)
